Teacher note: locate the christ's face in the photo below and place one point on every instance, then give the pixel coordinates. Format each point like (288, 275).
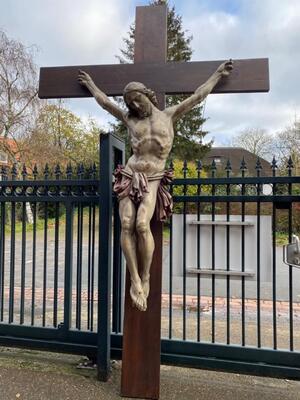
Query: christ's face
(139, 104)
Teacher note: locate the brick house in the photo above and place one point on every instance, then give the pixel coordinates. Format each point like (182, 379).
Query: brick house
(236, 154)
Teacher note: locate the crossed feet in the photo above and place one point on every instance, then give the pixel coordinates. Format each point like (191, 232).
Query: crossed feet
(139, 292)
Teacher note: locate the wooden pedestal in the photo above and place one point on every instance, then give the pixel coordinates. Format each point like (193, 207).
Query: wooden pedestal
(141, 337)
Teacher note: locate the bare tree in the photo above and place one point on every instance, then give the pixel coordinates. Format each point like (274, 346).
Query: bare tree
(18, 92)
(288, 145)
(256, 140)
(18, 97)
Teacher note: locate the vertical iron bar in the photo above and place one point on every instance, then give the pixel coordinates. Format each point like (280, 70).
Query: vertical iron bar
(89, 269)
(258, 213)
(198, 255)
(184, 254)
(171, 276)
(291, 308)
(171, 267)
(228, 260)
(12, 263)
(2, 259)
(79, 266)
(68, 267)
(56, 253)
(93, 264)
(33, 263)
(243, 265)
(45, 262)
(213, 261)
(274, 270)
(258, 224)
(23, 261)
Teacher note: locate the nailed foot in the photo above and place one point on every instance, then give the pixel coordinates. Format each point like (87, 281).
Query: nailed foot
(137, 295)
(146, 285)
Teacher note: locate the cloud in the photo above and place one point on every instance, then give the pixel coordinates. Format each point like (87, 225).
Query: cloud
(90, 32)
(230, 114)
(257, 29)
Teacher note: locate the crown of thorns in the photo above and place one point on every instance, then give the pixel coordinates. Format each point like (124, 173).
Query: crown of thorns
(141, 88)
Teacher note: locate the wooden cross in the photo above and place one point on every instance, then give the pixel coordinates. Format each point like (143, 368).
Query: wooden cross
(150, 67)
(141, 338)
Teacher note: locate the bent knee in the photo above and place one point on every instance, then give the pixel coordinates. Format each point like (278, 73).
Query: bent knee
(127, 224)
(142, 226)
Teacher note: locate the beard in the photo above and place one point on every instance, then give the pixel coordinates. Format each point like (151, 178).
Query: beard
(144, 113)
(140, 114)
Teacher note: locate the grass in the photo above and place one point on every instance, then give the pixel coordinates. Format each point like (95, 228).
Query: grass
(166, 233)
(282, 238)
(40, 225)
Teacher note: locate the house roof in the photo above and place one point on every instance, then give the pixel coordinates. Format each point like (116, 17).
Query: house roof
(236, 154)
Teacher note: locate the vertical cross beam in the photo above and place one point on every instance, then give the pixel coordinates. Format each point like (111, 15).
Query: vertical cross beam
(142, 330)
(150, 44)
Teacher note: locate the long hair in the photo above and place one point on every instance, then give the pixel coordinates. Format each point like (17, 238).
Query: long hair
(141, 88)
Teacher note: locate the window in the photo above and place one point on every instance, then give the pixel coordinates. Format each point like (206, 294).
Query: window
(218, 160)
(3, 157)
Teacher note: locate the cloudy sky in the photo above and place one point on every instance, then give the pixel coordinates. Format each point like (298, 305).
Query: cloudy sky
(90, 32)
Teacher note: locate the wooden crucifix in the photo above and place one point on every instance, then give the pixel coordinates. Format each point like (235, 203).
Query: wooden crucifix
(141, 338)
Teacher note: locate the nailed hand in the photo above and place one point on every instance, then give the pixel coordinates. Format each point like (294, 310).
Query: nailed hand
(226, 68)
(84, 78)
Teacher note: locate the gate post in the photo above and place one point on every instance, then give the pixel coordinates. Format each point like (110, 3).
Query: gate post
(117, 285)
(111, 148)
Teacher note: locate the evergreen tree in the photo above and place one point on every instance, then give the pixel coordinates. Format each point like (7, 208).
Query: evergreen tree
(188, 130)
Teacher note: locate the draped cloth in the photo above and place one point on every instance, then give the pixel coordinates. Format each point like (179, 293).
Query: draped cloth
(135, 184)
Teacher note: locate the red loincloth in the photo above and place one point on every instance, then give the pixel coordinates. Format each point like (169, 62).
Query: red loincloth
(134, 185)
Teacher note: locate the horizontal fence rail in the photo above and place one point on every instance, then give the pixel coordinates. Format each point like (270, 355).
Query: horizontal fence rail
(18, 185)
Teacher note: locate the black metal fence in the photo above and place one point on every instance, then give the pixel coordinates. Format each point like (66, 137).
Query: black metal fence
(37, 219)
(238, 308)
(62, 272)
(54, 269)
(227, 203)
(43, 221)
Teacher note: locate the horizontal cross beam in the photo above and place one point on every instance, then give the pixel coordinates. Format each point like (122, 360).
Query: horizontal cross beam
(251, 75)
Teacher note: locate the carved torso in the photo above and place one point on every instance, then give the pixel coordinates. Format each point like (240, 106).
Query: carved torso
(151, 140)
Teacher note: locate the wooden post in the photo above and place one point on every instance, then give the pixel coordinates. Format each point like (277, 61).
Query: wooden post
(142, 330)
(141, 337)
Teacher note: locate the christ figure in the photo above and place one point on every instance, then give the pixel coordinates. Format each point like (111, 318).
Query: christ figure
(140, 184)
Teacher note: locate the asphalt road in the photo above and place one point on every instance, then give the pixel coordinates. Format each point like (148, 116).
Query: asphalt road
(283, 275)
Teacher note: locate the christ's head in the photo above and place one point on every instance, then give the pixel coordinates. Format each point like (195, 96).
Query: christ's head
(139, 99)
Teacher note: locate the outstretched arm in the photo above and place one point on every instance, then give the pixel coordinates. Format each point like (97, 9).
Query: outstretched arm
(186, 105)
(85, 80)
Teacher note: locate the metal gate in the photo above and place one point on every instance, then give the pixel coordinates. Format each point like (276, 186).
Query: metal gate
(55, 256)
(229, 303)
